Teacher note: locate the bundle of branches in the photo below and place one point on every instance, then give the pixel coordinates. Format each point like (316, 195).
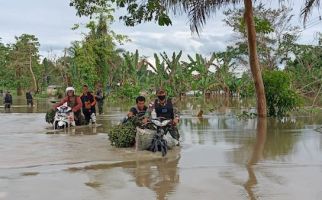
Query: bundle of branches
(123, 135)
(50, 115)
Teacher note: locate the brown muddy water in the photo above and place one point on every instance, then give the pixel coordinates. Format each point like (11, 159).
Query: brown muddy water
(220, 157)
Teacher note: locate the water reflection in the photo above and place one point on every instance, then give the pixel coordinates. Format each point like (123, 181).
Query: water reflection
(213, 128)
(256, 156)
(160, 176)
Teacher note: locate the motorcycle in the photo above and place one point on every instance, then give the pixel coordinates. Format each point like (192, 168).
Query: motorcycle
(64, 117)
(160, 139)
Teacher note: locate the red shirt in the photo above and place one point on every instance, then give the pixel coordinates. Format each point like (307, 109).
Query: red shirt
(67, 99)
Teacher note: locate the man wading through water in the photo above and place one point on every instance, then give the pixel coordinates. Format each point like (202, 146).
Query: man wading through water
(7, 101)
(164, 109)
(29, 98)
(89, 103)
(100, 98)
(140, 108)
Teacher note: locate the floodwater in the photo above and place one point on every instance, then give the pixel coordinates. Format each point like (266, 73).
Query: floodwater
(220, 157)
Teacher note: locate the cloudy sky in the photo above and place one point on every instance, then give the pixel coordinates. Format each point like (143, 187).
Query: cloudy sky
(51, 22)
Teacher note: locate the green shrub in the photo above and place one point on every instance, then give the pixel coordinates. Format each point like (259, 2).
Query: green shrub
(246, 86)
(123, 135)
(280, 97)
(50, 116)
(128, 91)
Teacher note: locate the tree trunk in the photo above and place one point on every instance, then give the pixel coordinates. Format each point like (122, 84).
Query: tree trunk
(18, 76)
(253, 59)
(33, 75)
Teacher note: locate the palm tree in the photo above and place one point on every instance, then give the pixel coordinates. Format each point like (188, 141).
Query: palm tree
(308, 7)
(253, 59)
(200, 10)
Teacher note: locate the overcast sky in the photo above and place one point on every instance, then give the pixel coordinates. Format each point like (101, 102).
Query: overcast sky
(51, 22)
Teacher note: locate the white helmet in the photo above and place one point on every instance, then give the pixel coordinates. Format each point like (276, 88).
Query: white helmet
(70, 89)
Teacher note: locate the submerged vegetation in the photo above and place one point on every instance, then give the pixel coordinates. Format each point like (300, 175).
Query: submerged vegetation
(123, 135)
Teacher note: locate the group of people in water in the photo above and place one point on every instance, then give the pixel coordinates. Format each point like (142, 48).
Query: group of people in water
(84, 109)
(163, 107)
(84, 105)
(7, 99)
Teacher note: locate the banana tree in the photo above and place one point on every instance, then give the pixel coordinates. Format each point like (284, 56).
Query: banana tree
(224, 64)
(203, 77)
(134, 69)
(160, 71)
(174, 70)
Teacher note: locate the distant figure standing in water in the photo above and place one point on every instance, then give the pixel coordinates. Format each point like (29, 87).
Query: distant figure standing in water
(99, 98)
(29, 98)
(7, 101)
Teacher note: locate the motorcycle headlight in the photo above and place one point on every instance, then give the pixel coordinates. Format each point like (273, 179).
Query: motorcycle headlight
(159, 123)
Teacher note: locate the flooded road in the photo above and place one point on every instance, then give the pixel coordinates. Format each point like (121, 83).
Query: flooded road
(220, 157)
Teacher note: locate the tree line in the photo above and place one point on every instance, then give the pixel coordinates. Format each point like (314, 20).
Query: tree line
(97, 59)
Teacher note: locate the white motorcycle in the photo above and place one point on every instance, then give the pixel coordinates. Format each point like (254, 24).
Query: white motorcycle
(64, 117)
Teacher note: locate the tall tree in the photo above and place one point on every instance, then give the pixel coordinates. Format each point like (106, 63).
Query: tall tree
(94, 57)
(4, 69)
(275, 33)
(305, 69)
(253, 59)
(24, 59)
